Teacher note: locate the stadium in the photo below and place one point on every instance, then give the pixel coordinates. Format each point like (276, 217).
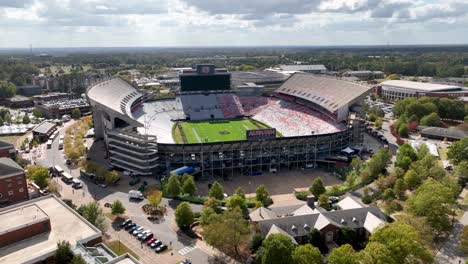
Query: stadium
(213, 131)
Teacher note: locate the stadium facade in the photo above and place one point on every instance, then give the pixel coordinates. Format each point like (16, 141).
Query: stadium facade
(138, 132)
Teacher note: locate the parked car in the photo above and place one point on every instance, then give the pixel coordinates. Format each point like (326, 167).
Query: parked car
(102, 185)
(133, 228)
(186, 261)
(147, 236)
(138, 231)
(125, 223)
(161, 248)
(156, 243)
(142, 233)
(150, 241)
(134, 181)
(334, 199)
(129, 226)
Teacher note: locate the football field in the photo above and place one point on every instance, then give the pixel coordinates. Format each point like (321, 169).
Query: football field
(217, 131)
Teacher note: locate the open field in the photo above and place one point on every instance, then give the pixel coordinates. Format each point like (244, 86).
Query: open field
(218, 131)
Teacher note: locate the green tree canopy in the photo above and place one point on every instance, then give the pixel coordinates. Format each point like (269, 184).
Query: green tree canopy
(75, 113)
(457, 152)
(117, 208)
(317, 187)
(376, 253)
(184, 215)
(412, 179)
(189, 187)
(307, 254)
(461, 171)
(64, 253)
(93, 213)
(435, 201)
(38, 174)
(26, 119)
(7, 90)
(173, 186)
(216, 191)
(404, 243)
(276, 249)
(236, 201)
(431, 119)
(228, 232)
(262, 195)
(403, 130)
(344, 254)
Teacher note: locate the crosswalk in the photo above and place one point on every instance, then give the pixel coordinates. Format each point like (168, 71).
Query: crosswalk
(186, 250)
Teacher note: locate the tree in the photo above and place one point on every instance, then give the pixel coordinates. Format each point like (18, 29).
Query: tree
(7, 118)
(173, 186)
(372, 116)
(404, 243)
(375, 253)
(111, 177)
(63, 254)
(184, 215)
(155, 198)
(457, 152)
(276, 249)
(236, 201)
(399, 188)
(26, 119)
(435, 201)
(324, 202)
(343, 255)
(239, 192)
(1, 121)
(378, 163)
(7, 90)
(213, 204)
(75, 113)
(378, 123)
(461, 171)
(403, 130)
(405, 156)
(262, 195)
(306, 254)
(189, 186)
(317, 187)
(356, 164)
(464, 240)
(38, 174)
(228, 232)
(412, 179)
(117, 208)
(216, 191)
(93, 213)
(37, 113)
(207, 215)
(432, 119)
(388, 194)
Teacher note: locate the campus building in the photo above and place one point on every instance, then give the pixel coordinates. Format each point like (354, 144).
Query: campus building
(13, 185)
(399, 89)
(314, 116)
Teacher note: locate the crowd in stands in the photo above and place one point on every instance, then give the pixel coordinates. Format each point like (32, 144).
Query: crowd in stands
(288, 117)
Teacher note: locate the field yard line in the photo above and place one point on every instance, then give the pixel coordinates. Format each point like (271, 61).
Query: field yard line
(196, 135)
(246, 127)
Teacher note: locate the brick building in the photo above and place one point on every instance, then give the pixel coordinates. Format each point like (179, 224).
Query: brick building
(6, 149)
(13, 186)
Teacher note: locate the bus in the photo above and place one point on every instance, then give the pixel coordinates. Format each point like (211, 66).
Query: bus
(66, 177)
(58, 171)
(60, 146)
(76, 184)
(54, 135)
(49, 144)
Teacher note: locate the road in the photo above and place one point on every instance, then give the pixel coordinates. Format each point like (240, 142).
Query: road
(165, 230)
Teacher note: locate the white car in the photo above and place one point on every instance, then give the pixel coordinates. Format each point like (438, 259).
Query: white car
(143, 233)
(138, 230)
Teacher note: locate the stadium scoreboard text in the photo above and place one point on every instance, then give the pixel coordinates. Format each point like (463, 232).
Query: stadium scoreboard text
(261, 134)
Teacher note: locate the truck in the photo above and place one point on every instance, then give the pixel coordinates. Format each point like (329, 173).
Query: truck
(183, 170)
(134, 194)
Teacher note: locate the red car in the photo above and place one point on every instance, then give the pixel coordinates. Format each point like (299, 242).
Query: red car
(150, 241)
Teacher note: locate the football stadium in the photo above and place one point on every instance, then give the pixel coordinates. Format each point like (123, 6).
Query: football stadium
(210, 130)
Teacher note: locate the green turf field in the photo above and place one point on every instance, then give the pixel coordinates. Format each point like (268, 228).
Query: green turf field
(197, 132)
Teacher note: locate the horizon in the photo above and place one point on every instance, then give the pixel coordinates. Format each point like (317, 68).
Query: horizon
(218, 23)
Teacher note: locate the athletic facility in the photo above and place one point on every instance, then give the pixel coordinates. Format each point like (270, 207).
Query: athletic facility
(218, 132)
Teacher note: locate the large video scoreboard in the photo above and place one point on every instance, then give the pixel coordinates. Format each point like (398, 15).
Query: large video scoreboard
(205, 79)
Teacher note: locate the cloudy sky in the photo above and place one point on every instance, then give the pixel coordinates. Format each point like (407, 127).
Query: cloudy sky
(105, 23)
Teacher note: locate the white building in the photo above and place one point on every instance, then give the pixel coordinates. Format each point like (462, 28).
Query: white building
(399, 89)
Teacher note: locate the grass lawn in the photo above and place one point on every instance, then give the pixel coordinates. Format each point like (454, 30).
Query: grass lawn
(10, 139)
(197, 132)
(119, 248)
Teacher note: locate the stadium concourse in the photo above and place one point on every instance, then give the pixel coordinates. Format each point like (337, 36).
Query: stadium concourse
(289, 118)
